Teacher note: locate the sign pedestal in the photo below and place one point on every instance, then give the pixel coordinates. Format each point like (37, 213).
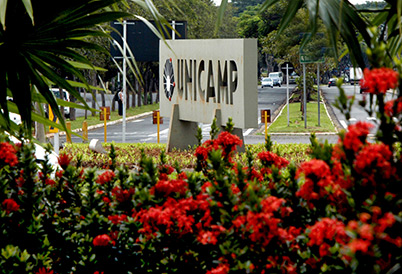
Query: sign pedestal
(236, 131)
(182, 134)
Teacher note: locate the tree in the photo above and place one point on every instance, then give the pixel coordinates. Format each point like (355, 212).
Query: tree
(36, 44)
(241, 5)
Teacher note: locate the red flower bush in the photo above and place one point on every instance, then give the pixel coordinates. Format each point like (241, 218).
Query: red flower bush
(7, 154)
(338, 212)
(64, 160)
(44, 270)
(379, 80)
(356, 136)
(317, 180)
(102, 240)
(166, 187)
(269, 158)
(9, 205)
(105, 177)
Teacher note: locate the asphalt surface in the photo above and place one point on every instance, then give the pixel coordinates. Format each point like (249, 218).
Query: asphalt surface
(140, 129)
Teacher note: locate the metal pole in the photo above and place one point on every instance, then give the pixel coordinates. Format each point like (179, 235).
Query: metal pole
(304, 96)
(56, 142)
(266, 124)
(318, 91)
(124, 80)
(287, 89)
(173, 30)
(157, 122)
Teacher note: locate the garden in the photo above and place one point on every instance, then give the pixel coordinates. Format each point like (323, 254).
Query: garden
(272, 209)
(337, 210)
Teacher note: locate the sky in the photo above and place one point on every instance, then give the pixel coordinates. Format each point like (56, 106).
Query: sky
(217, 2)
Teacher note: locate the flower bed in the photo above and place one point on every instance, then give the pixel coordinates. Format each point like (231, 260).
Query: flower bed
(336, 214)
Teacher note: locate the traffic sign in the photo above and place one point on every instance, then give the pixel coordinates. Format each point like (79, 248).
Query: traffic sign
(53, 118)
(309, 58)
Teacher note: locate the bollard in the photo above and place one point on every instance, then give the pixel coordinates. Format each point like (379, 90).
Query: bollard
(68, 135)
(104, 122)
(85, 131)
(266, 125)
(266, 117)
(157, 116)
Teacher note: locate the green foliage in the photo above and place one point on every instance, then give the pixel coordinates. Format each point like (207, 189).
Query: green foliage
(268, 143)
(214, 130)
(129, 155)
(229, 125)
(199, 136)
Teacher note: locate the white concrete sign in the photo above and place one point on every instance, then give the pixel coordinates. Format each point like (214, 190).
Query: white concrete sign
(201, 76)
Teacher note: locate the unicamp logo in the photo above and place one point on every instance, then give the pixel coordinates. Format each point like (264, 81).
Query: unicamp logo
(168, 79)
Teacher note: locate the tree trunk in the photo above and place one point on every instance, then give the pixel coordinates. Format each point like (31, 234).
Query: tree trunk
(139, 93)
(85, 98)
(102, 94)
(92, 76)
(73, 111)
(39, 128)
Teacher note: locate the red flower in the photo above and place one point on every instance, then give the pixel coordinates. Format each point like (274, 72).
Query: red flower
(170, 186)
(106, 200)
(102, 240)
(356, 136)
(64, 160)
(268, 159)
(59, 174)
(393, 107)
(122, 195)
(359, 245)
(327, 229)
(317, 179)
(7, 154)
(379, 80)
(374, 160)
(221, 269)
(43, 270)
(228, 142)
(50, 182)
(117, 219)
(10, 205)
(105, 177)
(210, 237)
(201, 153)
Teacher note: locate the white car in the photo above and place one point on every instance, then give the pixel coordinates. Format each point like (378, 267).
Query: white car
(66, 97)
(267, 82)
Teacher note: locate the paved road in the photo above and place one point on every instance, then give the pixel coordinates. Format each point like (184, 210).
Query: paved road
(358, 113)
(142, 130)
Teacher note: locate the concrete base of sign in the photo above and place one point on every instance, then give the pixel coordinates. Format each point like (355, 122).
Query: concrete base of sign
(182, 134)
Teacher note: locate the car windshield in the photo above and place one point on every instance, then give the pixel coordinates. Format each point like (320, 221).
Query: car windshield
(57, 94)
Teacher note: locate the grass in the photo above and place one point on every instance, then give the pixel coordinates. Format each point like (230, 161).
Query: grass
(114, 115)
(296, 122)
(129, 155)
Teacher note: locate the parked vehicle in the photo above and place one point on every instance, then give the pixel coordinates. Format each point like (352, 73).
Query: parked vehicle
(332, 82)
(66, 97)
(267, 82)
(292, 77)
(278, 75)
(276, 81)
(355, 75)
